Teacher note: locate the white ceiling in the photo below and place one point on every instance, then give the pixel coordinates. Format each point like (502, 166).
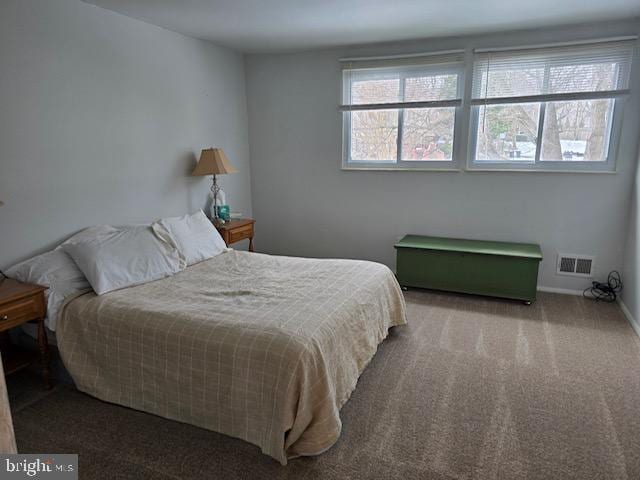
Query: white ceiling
(287, 25)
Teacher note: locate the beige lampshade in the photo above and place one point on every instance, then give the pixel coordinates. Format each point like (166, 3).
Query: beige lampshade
(213, 161)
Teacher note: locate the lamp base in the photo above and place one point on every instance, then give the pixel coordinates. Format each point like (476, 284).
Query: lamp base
(218, 222)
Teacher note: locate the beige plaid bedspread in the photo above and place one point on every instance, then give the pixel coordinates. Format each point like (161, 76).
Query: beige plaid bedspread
(259, 347)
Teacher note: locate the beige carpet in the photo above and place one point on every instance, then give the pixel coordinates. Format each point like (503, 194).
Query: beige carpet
(472, 388)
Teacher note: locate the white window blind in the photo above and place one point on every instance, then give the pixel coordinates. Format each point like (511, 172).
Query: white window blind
(552, 74)
(404, 82)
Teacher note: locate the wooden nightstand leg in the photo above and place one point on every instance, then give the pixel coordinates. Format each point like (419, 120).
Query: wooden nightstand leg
(43, 345)
(251, 244)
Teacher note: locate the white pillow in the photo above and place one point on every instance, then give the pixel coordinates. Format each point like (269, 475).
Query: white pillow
(113, 258)
(87, 234)
(57, 271)
(194, 235)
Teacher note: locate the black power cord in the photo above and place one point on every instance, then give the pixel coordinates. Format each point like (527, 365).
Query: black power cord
(606, 292)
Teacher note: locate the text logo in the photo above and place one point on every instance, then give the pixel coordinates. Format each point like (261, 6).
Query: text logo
(48, 466)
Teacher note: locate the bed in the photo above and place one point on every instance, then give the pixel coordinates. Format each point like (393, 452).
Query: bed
(258, 347)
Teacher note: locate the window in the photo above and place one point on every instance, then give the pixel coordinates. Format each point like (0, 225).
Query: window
(401, 113)
(548, 108)
(551, 108)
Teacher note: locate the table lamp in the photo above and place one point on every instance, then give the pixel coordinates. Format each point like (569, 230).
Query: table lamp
(214, 162)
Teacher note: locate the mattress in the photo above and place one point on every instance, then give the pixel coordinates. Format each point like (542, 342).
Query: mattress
(258, 347)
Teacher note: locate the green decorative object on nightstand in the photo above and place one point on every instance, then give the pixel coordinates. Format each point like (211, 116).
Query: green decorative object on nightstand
(496, 269)
(224, 212)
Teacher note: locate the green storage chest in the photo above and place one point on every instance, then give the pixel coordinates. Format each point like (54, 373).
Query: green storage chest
(496, 269)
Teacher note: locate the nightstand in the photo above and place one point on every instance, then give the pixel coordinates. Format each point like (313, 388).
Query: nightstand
(237, 229)
(21, 303)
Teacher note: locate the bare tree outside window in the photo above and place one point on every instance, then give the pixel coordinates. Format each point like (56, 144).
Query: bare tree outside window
(428, 134)
(576, 130)
(374, 135)
(508, 132)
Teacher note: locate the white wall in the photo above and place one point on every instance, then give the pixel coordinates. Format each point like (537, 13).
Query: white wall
(101, 117)
(631, 271)
(305, 205)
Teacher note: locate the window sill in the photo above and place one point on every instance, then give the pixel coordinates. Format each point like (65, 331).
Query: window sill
(401, 169)
(534, 170)
(474, 170)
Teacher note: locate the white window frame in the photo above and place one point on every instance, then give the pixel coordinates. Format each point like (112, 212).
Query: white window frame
(614, 129)
(466, 123)
(607, 166)
(443, 165)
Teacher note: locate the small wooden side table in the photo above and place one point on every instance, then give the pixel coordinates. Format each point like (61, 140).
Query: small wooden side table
(21, 303)
(237, 229)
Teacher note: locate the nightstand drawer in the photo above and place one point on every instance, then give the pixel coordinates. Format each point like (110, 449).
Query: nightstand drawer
(237, 229)
(241, 233)
(19, 311)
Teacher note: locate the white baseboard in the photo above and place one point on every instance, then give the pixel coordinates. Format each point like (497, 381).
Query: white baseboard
(627, 313)
(564, 291)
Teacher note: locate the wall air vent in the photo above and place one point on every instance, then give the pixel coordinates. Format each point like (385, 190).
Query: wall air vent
(576, 265)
